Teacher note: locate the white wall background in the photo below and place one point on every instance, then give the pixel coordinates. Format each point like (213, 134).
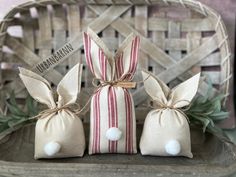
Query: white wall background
(6, 5)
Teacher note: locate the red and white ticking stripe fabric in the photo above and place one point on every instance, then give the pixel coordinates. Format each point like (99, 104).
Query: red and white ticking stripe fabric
(112, 106)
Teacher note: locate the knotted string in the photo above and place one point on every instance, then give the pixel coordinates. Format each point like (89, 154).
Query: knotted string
(114, 83)
(73, 107)
(77, 111)
(161, 106)
(70, 107)
(124, 83)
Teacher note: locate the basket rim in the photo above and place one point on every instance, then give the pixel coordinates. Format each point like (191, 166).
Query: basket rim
(200, 169)
(15, 166)
(193, 5)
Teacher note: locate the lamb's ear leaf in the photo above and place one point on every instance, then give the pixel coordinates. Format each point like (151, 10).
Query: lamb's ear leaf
(13, 106)
(69, 86)
(183, 94)
(155, 87)
(31, 106)
(37, 87)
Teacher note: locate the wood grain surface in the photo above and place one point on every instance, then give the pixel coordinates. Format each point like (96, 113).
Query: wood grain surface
(211, 158)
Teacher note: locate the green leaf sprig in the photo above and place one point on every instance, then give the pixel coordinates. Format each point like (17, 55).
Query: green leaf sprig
(17, 116)
(207, 112)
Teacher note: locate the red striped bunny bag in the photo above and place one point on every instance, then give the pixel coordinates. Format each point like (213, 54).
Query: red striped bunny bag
(112, 116)
(166, 128)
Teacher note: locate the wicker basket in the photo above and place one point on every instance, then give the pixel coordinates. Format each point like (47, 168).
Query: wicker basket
(178, 39)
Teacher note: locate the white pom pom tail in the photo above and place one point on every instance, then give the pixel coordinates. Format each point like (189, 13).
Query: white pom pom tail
(52, 148)
(173, 147)
(113, 134)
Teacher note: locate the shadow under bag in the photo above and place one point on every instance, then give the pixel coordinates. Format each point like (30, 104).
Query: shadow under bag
(59, 132)
(112, 114)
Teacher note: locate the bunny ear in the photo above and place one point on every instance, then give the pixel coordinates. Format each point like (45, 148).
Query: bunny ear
(155, 87)
(97, 56)
(183, 94)
(69, 86)
(127, 57)
(29, 73)
(38, 87)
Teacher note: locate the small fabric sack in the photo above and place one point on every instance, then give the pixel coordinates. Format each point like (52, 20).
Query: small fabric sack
(166, 129)
(112, 114)
(59, 132)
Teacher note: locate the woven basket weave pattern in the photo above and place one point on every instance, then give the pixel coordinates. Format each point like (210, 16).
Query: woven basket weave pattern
(179, 38)
(174, 47)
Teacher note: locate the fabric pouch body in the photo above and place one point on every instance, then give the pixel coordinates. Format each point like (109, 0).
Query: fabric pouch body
(166, 129)
(112, 115)
(59, 131)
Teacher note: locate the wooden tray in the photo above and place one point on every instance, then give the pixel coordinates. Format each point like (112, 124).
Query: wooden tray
(211, 158)
(178, 39)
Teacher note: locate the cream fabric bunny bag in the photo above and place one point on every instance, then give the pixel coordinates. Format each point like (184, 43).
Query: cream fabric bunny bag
(166, 129)
(59, 133)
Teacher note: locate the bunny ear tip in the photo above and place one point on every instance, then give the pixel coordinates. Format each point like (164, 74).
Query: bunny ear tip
(21, 69)
(137, 37)
(144, 72)
(77, 67)
(89, 31)
(147, 75)
(198, 75)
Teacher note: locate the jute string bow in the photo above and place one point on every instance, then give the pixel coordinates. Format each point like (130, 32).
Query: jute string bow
(75, 107)
(158, 106)
(124, 83)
